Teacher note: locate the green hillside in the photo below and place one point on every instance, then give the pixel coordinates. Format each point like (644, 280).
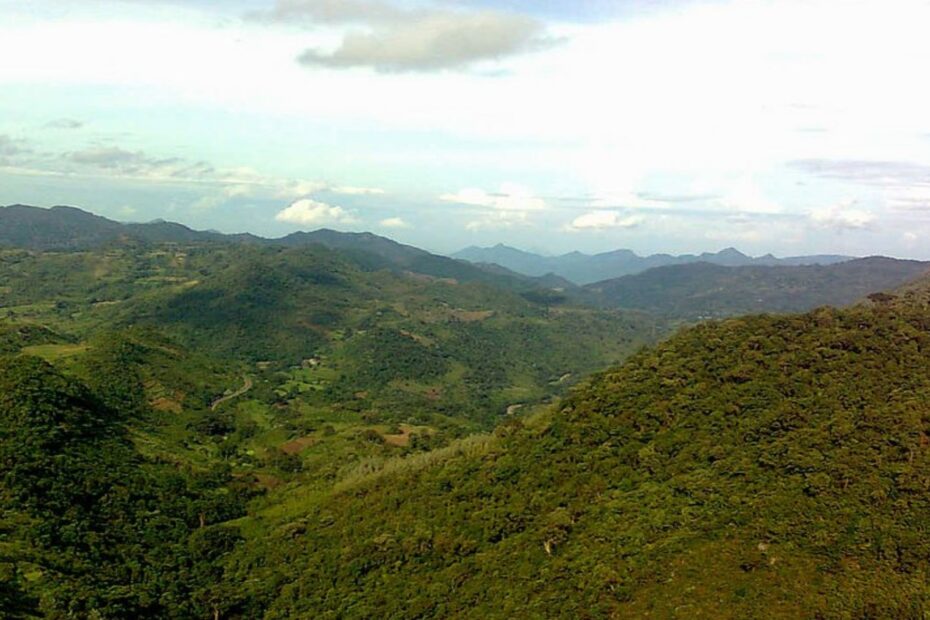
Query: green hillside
(755, 468)
(241, 431)
(470, 350)
(239, 372)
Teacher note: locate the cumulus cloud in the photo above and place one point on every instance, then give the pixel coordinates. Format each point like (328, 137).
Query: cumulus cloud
(844, 216)
(604, 220)
(391, 38)
(394, 222)
(309, 212)
(511, 205)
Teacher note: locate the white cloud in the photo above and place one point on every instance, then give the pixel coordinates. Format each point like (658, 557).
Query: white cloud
(503, 209)
(392, 38)
(433, 43)
(299, 189)
(511, 197)
(843, 216)
(603, 220)
(309, 212)
(394, 222)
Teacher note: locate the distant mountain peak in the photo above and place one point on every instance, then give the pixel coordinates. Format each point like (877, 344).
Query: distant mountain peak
(582, 268)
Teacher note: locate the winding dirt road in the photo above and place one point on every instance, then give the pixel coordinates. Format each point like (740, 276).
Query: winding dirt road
(245, 388)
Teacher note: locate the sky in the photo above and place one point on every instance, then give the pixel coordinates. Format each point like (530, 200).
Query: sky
(783, 126)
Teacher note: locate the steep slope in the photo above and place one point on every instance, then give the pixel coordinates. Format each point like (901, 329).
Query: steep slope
(585, 269)
(755, 468)
(702, 290)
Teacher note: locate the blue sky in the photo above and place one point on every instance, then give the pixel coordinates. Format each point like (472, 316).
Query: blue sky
(784, 126)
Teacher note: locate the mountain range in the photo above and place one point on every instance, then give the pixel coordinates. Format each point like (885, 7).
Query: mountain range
(688, 287)
(65, 228)
(585, 268)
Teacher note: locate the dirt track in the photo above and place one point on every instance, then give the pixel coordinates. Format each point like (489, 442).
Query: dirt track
(245, 388)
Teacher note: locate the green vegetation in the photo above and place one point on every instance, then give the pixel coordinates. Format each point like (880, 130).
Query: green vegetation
(212, 430)
(760, 467)
(403, 346)
(98, 530)
(152, 392)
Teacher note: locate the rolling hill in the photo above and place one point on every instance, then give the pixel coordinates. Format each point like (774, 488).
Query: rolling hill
(470, 349)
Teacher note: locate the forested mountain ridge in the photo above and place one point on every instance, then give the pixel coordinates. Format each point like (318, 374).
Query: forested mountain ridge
(762, 467)
(702, 290)
(72, 229)
(584, 269)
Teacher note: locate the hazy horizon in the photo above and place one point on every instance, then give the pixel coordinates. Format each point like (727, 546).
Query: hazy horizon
(680, 127)
(539, 251)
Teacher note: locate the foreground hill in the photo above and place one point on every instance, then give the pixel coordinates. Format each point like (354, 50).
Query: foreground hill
(585, 269)
(755, 468)
(703, 290)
